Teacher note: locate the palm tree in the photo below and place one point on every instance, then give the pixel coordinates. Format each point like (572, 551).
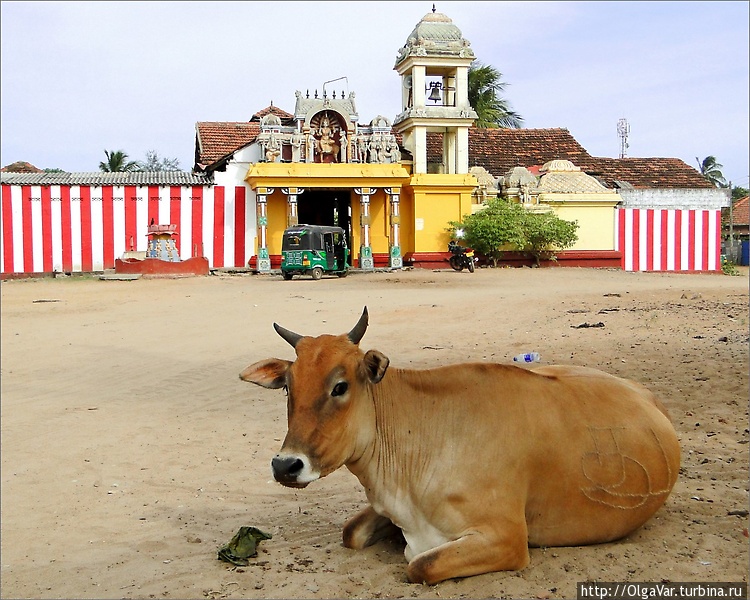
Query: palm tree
(117, 161)
(711, 171)
(485, 87)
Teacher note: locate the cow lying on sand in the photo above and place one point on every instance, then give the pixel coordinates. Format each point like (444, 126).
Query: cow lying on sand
(473, 462)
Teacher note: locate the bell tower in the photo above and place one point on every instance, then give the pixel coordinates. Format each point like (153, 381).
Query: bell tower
(434, 68)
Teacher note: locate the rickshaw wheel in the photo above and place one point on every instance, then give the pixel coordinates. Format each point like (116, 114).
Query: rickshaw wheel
(342, 273)
(287, 275)
(317, 273)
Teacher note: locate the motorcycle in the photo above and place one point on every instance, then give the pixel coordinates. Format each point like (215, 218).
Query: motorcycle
(461, 257)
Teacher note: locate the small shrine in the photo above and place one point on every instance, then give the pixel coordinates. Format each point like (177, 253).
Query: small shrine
(161, 243)
(161, 258)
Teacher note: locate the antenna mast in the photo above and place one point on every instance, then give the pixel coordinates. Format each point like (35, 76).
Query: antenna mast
(623, 129)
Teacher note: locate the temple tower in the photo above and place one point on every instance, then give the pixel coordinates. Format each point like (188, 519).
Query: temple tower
(434, 67)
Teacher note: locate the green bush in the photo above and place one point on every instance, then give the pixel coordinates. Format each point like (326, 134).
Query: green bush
(503, 225)
(728, 267)
(546, 234)
(497, 227)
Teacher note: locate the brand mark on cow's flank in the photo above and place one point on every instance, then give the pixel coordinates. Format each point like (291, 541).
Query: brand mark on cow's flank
(618, 479)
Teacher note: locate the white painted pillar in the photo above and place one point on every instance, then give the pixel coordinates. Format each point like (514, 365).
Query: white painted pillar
(420, 150)
(462, 150)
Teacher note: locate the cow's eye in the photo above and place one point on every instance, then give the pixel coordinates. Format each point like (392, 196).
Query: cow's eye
(340, 388)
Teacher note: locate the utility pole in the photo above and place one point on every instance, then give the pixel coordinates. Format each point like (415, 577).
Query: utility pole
(731, 219)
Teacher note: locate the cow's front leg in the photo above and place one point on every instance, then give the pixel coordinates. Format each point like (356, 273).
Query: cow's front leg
(475, 553)
(366, 528)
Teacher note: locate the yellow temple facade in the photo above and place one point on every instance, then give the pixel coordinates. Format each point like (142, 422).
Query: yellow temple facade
(394, 186)
(388, 203)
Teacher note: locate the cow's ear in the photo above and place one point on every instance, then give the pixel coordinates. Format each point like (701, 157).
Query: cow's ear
(270, 373)
(375, 364)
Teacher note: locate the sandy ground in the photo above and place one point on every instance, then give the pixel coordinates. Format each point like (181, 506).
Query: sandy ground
(131, 451)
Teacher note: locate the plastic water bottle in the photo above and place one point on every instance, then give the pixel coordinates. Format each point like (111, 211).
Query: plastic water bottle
(529, 357)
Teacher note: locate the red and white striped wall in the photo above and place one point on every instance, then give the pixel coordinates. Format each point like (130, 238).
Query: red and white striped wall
(68, 228)
(668, 240)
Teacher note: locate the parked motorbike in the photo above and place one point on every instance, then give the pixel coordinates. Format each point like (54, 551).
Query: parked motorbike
(461, 257)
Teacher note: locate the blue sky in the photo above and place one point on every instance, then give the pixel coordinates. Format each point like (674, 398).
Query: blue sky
(79, 78)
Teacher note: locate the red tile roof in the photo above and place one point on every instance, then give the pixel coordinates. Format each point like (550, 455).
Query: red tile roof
(497, 150)
(647, 172)
(21, 167)
(217, 139)
(741, 212)
(285, 117)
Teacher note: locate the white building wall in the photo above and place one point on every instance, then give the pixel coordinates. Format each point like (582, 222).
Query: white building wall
(675, 198)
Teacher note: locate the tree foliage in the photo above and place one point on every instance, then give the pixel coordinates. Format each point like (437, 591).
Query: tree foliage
(503, 225)
(738, 192)
(491, 230)
(485, 97)
(711, 171)
(546, 234)
(117, 162)
(154, 163)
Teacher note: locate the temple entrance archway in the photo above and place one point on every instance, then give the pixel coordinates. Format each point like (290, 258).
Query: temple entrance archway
(330, 207)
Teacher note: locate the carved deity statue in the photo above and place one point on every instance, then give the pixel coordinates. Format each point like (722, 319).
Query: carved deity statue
(392, 153)
(273, 148)
(325, 144)
(296, 142)
(376, 148)
(343, 142)
(362, 148)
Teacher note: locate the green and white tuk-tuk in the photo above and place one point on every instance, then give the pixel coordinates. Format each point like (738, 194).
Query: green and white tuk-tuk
(314, 250)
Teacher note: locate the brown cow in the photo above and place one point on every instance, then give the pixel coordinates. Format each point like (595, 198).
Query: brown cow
(473, 462)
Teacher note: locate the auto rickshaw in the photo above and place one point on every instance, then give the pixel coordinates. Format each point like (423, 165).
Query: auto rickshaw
(314, 250)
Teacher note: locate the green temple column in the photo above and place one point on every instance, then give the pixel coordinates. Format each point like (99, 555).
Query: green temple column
(366, 261)
(264, 259)
(396, 260)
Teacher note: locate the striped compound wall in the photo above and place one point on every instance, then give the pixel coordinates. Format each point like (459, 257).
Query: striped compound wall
(70, 228)
(63, 228)
(669, 240)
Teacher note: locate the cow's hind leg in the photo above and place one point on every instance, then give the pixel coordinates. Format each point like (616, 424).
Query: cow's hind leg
(366, 528)
(472, 554)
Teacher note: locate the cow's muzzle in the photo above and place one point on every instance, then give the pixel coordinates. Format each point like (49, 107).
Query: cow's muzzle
(291, 471)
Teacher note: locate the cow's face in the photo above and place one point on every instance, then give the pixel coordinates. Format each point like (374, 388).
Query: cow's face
(326, 401)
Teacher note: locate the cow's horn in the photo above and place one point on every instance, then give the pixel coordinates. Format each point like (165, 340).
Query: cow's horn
(358, 331)
(289, 336)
